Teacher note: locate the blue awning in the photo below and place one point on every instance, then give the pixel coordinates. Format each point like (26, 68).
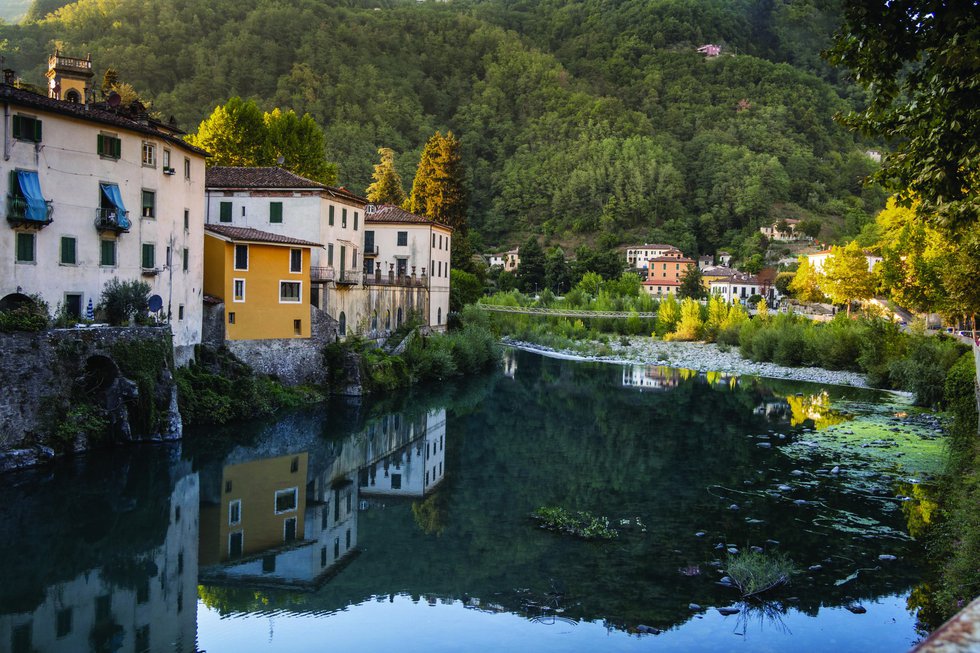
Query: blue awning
(112, 194)
(37, 208)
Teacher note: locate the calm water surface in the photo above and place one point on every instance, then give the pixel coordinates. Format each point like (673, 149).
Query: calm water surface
(403, 523)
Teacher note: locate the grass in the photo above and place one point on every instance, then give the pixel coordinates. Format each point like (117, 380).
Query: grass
(580, 524)
(755, 572)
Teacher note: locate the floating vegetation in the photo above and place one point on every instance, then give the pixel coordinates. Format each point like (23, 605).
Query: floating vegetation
(755, 572)
(580, 524)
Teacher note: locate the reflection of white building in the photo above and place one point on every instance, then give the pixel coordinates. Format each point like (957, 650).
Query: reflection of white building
(94, 612)
(654, 377)
(510, 363)
(415, 468)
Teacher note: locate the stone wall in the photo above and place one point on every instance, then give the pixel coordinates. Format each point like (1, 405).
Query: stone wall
(292, 361)
(49, 376)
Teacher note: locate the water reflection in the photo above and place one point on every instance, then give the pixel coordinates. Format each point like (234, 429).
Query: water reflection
(315, 512)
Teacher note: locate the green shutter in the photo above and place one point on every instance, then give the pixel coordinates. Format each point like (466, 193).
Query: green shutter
(331, 216)
(355, 220)
(25, 248)
(117, 148)
(107, 252)
(17, 126)
(148, 255)
(343, 218)
(37, 131)
(68, 250)
(330, 253)
(101, 145)
(15, 184)
(275, 212)
(226, 211)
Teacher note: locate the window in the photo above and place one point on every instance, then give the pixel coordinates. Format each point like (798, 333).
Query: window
(234, 512)
(289, 529)
(275, 212)
(185, 259)
(286, 500)
(323, 556)
(353, 259)
(180, 311)
(329, 253)
(439, 315)
(27, 128)
(402, 238)
(64, 622)
(355, 220)
(396, 481)
(343, 218)
(241, 257)
(433, 241)
(238, 291)
(330, 212)
(231, 317)
(224, 214)
(187, 220)
(368, 242)
(187, 168)
(342, 326)
(166, 161)
(107, 253)
(347, 540)
(109, 146)
(73, 304)
(336, 548)
(25, 248)
(236, 543)
(149, 256)
(290, 292)
(149, 155)
(149, 203)
(21, 638)
(295, 260)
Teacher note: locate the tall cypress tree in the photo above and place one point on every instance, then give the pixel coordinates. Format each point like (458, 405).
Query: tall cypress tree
(438, 192)
(387, 185)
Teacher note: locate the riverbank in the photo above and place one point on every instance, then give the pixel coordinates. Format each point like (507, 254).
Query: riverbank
(703, 357)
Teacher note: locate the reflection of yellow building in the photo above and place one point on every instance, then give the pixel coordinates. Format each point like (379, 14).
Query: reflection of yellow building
(263, 280)
(261, 507)
(813, 407)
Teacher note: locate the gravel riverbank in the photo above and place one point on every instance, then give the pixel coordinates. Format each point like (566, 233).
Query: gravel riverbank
(704, 357)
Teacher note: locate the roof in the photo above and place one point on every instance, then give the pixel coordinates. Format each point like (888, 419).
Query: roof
(266, 177)
(738, 277)
(661, 282)
(99, 112)
(718, 271)
(211, 300)
(387, 213)
(247, 234)
(651, 246)
(670, 259)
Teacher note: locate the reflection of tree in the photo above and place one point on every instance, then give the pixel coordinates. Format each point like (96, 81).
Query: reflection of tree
(235, 600)
(920, 508)
(766, 613)
(928, 613)
(813, 407)
(430, 515)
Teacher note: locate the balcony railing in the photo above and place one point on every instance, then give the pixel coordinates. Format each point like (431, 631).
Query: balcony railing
(17, 213)
(348, 278)
(108, 220)
(321, 274)
(391, 278)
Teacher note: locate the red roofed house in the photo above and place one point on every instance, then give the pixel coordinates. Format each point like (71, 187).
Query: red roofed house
(664, 273)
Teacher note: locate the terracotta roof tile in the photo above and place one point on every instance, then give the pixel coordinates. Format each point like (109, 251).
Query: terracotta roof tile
(255, 236)
(386, 213)
(265, 177)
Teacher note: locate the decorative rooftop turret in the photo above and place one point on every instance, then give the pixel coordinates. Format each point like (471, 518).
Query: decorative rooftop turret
(69, 78)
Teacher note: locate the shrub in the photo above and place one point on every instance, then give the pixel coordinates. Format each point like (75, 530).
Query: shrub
(123, 301)
(23, 318)
(754, 572)
(923, 370)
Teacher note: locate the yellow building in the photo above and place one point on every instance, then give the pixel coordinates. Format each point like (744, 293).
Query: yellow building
(263, 280)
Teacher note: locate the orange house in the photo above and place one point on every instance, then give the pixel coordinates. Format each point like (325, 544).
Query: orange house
(263, 280)
(664, 273)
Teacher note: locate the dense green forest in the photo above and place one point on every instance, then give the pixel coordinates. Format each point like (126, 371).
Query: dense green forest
(575, 118)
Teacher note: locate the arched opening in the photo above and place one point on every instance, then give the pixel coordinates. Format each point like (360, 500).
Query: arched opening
(15, 300)
(398, 320)
(343, 324)
(387, 320)
(100, 373)
(439, 315)
(73, 96)
(374, 321)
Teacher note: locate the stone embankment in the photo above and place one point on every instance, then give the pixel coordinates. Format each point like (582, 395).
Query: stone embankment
(703, 357)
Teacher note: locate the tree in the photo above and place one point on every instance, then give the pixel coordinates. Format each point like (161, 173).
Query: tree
(692, 284)
(299, 142)
(557, 273)
(919, 63)
(464, 288)
(438, 191)
(387, 185)
(668, 313)
(805, 285)
(110, 79)
(783, 279)
(530, 273)
(690, 325)
(736, 315)
(846, 275)
(809, 228)
(717, 312)
(235, 134)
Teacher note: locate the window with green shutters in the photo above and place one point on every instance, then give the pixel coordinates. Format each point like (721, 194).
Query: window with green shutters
(355, 220)
(26, 128)
(331, 215)
(149, 256)
(25, 247)
(149, 204)
(275, 212)
(343, 218)
(107, 253)
(225, 215)
(69, 255)
(186, 259)
(329, 253)
(109, 146)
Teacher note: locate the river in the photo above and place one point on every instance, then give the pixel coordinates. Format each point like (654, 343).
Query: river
(403, 523)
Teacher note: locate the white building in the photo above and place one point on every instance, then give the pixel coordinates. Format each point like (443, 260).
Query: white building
(96, 192)
(277, 201)
(773, 231)
(742, 286)
(509, 260)
(415, 468)
(639, 256)
(410, 249)
(817, 260)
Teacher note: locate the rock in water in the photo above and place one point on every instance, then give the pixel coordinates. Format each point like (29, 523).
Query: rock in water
(647, 630)
(694, 606)
(728, 611)
(856, 608)
(887, 557)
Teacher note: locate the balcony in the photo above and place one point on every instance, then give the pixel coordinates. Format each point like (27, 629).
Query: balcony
(392, 278)
(348, 278)
(17, 213)
(321, 274)
(108, 220)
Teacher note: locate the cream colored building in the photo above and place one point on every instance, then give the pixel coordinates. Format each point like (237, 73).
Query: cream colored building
(95, 192)
(638, 256)
(412, 251)
(817, 260)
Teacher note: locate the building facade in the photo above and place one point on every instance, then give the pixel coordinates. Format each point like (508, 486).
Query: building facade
(98, 191)
(639, 256)
(664, 273)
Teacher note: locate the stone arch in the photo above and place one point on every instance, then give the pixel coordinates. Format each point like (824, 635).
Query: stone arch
(73, 97)
(15, 300)
(342, 329)
(100, 373)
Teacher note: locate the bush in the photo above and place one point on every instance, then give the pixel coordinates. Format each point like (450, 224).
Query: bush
(23, 318)
(923, 370)
(123, 301)
(754, 572)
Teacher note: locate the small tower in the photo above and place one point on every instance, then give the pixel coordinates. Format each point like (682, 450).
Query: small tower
(69, 78)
